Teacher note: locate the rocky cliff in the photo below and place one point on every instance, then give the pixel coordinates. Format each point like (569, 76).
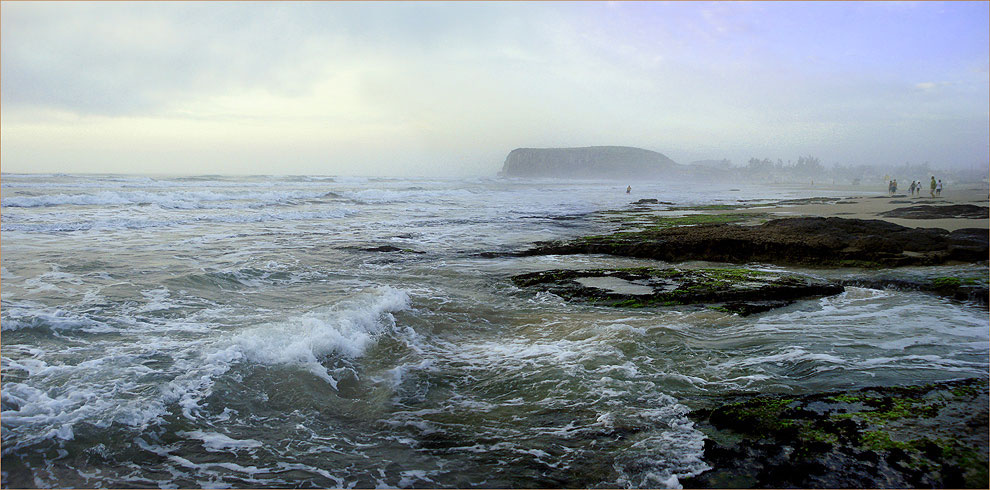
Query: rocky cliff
(589, 162)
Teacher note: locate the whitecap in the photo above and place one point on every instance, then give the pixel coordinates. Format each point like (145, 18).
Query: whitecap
(347, 329)
(215, 441)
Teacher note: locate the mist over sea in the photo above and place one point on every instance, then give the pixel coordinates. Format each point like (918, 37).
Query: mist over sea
(210, 331)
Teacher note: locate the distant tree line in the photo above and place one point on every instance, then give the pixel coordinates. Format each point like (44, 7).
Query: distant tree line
(808, 166)
(811, 168)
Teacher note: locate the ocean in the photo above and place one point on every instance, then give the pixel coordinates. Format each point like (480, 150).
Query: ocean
(293, 331)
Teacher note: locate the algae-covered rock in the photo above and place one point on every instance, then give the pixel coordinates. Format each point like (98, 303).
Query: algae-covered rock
(931, 436)
(742, 291)
(833, 242)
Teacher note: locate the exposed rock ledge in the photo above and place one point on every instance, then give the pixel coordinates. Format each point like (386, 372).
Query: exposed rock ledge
(939, 212)
(931, 436)
(830, 242)
(742, 291)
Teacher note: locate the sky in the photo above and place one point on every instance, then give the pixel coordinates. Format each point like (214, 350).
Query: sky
(449, 88)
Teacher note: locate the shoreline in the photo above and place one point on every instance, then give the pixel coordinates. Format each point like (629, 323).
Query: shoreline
(863, 437)
(854, 204)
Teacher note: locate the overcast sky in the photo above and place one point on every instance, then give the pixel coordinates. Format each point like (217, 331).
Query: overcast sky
(450, 88)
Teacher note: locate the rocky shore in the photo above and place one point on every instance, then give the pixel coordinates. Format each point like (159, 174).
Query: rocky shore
(918, 436)
(927, 211)
(929, 436)
(816, 241)
(742, 291)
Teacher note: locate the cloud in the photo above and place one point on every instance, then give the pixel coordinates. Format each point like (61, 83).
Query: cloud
(136, 59)
(394, 82)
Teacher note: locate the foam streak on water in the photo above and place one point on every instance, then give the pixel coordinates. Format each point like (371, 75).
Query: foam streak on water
(256, 331)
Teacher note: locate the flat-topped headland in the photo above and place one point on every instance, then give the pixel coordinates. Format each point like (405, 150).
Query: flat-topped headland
(602, 162)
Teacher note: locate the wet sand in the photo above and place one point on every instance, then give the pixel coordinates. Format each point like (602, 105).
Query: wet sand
(857, 204)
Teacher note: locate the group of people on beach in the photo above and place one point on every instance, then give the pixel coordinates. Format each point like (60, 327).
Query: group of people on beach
(935, 187)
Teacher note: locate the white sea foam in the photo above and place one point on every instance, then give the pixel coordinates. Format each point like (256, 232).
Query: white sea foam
(79, 182)
(17, 318)
(100, 385)
(35, 414)
(346, 329)
(214, 441)
(412, 476)
(395, 375)
(791, 355)
(55, 221)
(380, 196)
(165, 200)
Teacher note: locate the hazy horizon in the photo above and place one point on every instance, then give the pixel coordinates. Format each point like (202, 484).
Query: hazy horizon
(448, 89)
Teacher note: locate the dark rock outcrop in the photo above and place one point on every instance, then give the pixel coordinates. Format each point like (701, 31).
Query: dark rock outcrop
(931, 436)
(742, 291)
(926, 211)
(607, 162)
(830, 242)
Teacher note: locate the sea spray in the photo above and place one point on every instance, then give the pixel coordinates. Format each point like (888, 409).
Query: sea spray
(345, 329)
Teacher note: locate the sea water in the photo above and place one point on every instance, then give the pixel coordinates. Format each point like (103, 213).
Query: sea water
(213, 331)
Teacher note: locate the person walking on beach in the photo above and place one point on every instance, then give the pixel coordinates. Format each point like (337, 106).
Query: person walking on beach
(933, 186)
(938, 188)
(911, 188)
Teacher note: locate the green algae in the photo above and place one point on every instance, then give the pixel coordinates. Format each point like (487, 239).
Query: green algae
(713, 207)
(833, 434)
(946, 283)
(761, 414)
(648, 221)
(846, 398)
(737, 288)
(817, 434)
(879, 440)
(886, 409)
(660, 222)
(969, 391)
(634, 303)
(975, 464)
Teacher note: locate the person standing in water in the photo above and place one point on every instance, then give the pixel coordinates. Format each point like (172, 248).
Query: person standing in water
(628, 189)
(938, 188)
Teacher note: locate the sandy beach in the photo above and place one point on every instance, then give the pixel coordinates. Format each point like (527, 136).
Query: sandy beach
(863, 205)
